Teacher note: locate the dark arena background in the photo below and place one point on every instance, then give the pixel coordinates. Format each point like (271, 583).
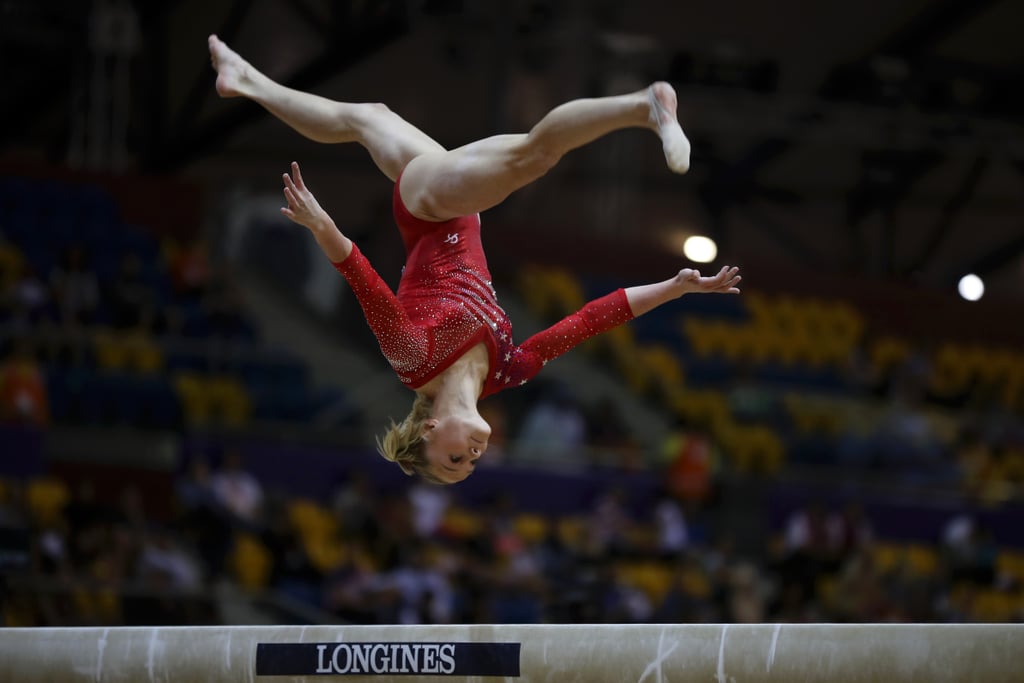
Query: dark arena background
(189, 393)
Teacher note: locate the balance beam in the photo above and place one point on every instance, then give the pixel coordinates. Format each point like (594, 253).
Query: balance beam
(862, 653)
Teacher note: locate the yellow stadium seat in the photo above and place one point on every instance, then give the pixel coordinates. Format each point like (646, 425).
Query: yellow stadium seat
(195, 401)
(703, 336)
(568, 291)
(694, 582)
(759, 308)
(127, 351)
(46, 498)
(887, 556)
(993, 606)
(318, 530)
(532, 290)
(922, 559)
(887, 352)
(1011, 564)
(653, 578)
(144, 355)
(531, 528)
(229, 399)
(828, 587)
(110, 352)
(705, 408)
(10, 266)
(754, 448)
(662, 370)
(461, 522)
(572, 530)
(311, 518)
(949, 375)
(251, 562)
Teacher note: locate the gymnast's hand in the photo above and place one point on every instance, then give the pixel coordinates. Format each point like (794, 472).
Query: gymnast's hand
(725, 282)
(303, 207)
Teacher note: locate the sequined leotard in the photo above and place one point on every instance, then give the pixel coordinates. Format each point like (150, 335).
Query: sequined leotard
(445, 305)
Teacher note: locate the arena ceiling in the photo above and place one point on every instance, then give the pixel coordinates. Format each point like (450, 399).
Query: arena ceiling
(904, 114)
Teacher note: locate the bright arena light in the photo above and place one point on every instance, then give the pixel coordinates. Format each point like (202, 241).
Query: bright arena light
(971, 287)
(700, 249)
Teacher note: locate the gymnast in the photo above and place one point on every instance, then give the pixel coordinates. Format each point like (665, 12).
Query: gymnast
(444, 333)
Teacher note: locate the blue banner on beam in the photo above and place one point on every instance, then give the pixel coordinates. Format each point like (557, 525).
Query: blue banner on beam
(392, 659)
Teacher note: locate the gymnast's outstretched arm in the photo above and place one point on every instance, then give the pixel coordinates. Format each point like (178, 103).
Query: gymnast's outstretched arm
(384, 312)
(614, 309)
(644, 298)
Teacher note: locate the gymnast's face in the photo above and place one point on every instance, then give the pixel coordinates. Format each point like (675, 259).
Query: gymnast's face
(454, 444)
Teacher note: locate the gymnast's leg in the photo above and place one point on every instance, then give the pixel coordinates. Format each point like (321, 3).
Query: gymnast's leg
(442, 185)
(391, 141)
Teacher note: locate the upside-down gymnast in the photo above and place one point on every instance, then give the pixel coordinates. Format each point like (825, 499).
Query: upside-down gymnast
(443, 332)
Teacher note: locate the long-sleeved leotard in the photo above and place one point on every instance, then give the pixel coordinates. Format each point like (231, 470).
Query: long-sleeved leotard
(446, 304)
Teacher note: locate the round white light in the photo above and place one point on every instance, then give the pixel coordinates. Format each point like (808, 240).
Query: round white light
(971, 287)
(700, 249)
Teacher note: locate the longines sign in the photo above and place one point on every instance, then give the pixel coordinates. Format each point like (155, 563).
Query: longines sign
(351, 659)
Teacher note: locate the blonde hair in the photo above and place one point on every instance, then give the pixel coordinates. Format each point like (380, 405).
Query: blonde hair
(403, 443)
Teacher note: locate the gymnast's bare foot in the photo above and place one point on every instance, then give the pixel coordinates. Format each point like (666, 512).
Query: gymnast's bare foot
(662, 98)
(232, 71)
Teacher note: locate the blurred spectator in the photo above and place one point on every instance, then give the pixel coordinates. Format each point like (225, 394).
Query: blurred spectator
(84, 512)
(75, 287)
(190, 269)
(30, 297)
(293, 571)
(131, 299)
(670, 525)
(620, 601)
(809, 553)
(429, 503)
(691, 464)
(808, 531)
(746, 595)
(353, 591)
(850, 532)
(859, 595)
(493, 410)
(687, 599)
(236, 490)
(609, 435)
(499, 528)
(554, 430)
(11, 264)
(165, 563)
(353, 504)
(969, 552)
(422, 592)
(609, 525)
(861, 374)
(224, 311)
(906, 443)
(908, 380)
(990, 468)
(202, 518)
(556, 563)
(23, 397)
(748, 399)
(16, 540)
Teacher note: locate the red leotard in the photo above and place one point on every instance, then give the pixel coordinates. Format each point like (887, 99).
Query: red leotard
(445, 305)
